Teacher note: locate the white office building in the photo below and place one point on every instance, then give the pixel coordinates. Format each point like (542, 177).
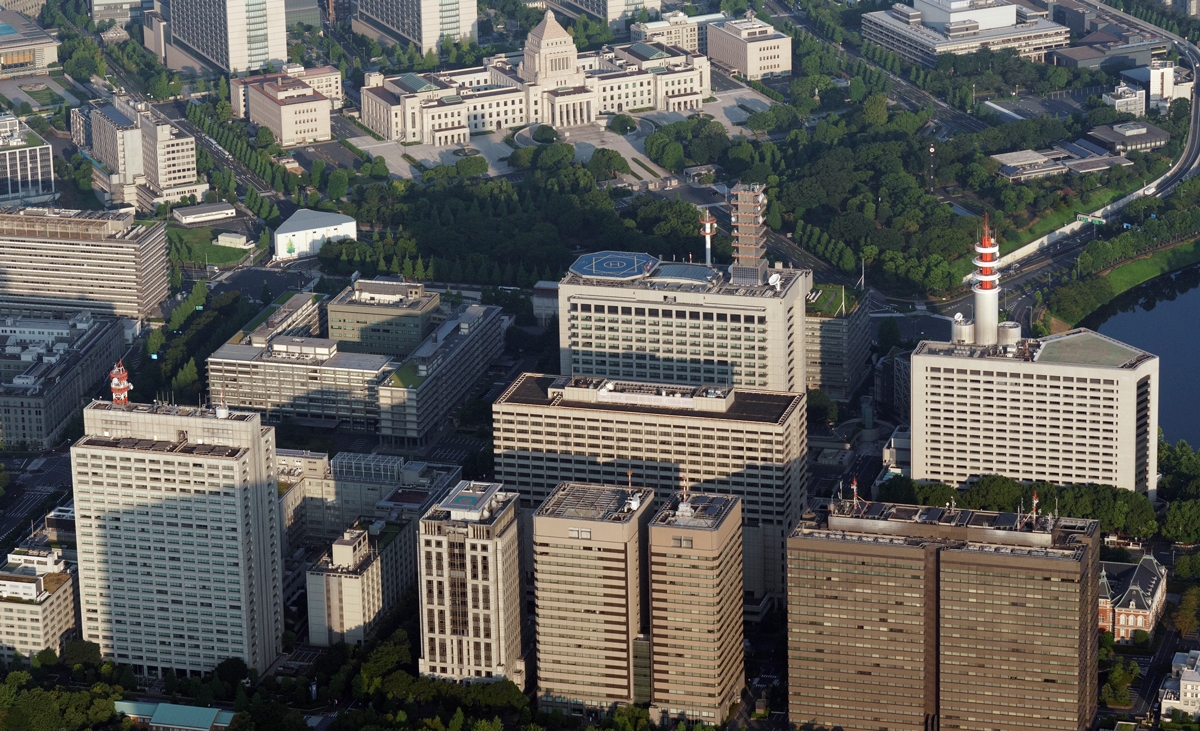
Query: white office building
(689, 32)
(235, 37)
(178, 536)
(423, 22)
(306, 231)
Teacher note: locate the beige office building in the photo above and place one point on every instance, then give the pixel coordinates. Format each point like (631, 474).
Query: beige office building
(55, 260)
(697, 659)
(914, 618)
(169, 164)
(352, 586)
(178, 536)
(634, 316)
(751, 48)
(291, 109)
(470, 586)
(678, 29)
(37, 605)
(1078, 407)
(325, 80)
(752, 444)
(591, 597)
(299, 378)
(385, 315)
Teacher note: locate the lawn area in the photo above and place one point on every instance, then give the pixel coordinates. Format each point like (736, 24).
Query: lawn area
(44, 97)
(285, 297)
(1128, 276)
(829, 302)
(260, 318)
(647, 168)
(195, 245)
(406, 376)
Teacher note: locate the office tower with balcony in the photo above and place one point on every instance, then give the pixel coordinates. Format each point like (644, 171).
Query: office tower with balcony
(469, 586)
(178, 536)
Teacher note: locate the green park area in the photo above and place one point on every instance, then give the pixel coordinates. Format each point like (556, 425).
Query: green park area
(1128, 276)
(195, 246)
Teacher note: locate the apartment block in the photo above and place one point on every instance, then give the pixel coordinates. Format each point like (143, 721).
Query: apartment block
(423, 22)
(678, 29)
(417, 398)
(353, 585)
(837, 327)
(751, 48)
(37, 605)
(234, 37)
(179, 536)
(944, 618)
(751, 444)
(55, 261)
(634, 316)
(291, 109)
(47, 367)
(470, 586)
(294, 377)
(1076, 407)
(697, 659)
(591, 597)
(324, 80)
(384, 315)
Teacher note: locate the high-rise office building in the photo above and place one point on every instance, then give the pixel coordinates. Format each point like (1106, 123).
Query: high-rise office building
(233, 36)
(169, 163)
(470, 586)
(917, 618)
(591, 597)
(178, 536)
(353, 585)
(618, 13)
(54, 261)
(752, 444)
(629, 315)
(423, 22)
(1076, 407)
(697, 660)
(837, 344)
(382, 315)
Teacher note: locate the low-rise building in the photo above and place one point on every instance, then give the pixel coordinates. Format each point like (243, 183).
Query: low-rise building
(1162, 81)
(750, 47)
(291, 109)
(26, 164)
(306, 231)
(24, 47)
(837, 325)
(47, 368)
(304, 378)
(324, 80)
(356, 582)
(174, 717)
(1079, 157)
(930, 28)
(549, 83)
(1132, 597)
(689, 32)
(203, 213)
(470, 588)
(382, 315)
(1181, 691)
(1126, 99)
(417, 398)
(37, 606)
(1129, 136)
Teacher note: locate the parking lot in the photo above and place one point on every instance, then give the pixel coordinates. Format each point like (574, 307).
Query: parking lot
(250, 281)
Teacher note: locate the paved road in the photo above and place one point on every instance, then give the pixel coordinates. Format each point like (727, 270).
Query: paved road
(224, 159)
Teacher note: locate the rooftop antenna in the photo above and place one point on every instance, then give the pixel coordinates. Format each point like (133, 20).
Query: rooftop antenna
(120, 384)
(708, 226)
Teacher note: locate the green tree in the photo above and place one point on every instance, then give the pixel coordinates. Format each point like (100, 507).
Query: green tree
(888, 335)
(1184, 617)
(1183, 522)
(821, 408)
(606, 164)
(224, 111)
(875, 112)
(470, 166)
(338, 183)
(318, 170)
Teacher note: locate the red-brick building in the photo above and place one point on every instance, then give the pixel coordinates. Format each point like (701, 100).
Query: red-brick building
(1132, 596)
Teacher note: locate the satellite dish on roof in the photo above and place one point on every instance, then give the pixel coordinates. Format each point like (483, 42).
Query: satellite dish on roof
(774, 281)
(958, 317)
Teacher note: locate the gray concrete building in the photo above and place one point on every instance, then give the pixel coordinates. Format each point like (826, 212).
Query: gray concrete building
(418, 397)
(299, 378)
(837, 331)
(55, 261)
(385, 315)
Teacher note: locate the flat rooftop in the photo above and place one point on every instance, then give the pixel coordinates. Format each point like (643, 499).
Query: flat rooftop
(473, 502)
(702, 511)
(764, 407)
(633, 270)
(161, 446)
(1016, 534)
(1074, 347)
(598, 503)
(191, 412)
(65, 223)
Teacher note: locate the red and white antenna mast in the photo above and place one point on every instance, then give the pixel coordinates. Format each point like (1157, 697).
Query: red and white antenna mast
(987, 288)
(120, 384)
(708, 228)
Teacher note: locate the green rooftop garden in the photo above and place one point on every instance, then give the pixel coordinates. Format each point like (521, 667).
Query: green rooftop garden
(828, 302)
(406, 376)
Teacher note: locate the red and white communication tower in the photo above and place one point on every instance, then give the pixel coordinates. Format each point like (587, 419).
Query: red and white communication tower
(987, 288)
(709, 225)
(120, 383)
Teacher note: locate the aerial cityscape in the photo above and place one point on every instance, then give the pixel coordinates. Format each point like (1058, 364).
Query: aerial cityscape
(536, 365)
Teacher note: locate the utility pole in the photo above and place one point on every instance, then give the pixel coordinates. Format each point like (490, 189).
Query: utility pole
(931, 151)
